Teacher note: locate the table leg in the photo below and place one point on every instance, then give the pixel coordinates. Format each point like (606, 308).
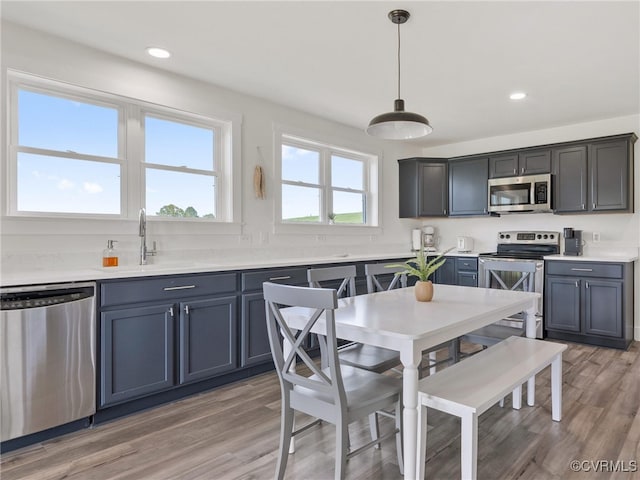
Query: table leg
(556, 388)
(410, 361)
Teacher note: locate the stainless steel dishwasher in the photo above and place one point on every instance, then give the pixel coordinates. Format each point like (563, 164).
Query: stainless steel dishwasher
(47, 357)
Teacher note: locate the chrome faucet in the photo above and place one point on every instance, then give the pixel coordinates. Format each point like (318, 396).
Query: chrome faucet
(142, 233)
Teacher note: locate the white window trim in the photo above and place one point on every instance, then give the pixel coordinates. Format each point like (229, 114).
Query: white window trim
(228, 219)
(372, 188)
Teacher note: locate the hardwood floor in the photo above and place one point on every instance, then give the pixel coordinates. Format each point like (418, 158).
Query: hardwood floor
(232, 433)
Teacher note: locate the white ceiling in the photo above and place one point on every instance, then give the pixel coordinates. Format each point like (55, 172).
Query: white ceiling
(578, 61)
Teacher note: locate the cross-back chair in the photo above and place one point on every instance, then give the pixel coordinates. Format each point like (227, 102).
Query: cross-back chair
(337, 394)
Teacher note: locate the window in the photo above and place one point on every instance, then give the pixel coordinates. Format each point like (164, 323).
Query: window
(67, 157)
(180, 169)
(326, 185)
(77, 152)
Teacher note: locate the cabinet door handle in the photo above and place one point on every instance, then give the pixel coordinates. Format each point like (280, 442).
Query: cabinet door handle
(583, 207)
(593, 205)
(171, 311)
(577, 283)
(522, 170)
(582, 269)
(181, 287)
(186, 309)
(587, 284)
(445, 211)
(515, 171)
(286, 277)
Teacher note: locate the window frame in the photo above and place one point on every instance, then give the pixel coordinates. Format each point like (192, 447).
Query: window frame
(131, 144)
(288, 136)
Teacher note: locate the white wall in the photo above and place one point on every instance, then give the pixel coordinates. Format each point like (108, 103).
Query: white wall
(39, 243)
(80, 242)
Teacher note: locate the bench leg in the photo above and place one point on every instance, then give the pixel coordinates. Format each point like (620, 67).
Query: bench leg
(556, 388)
(469, 446)
(422, 441)
(517, 397)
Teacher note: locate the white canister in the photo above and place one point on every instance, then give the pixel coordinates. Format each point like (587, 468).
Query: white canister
(465, 244)
(416, 239)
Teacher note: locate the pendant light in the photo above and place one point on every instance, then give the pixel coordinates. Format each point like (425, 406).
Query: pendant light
(399, 125)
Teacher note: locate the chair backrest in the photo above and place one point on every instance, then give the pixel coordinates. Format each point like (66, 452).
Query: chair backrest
(347, 274)
(374, 270)
(315, 303)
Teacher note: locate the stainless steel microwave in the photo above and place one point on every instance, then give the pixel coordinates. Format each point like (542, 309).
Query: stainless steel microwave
(529, 193)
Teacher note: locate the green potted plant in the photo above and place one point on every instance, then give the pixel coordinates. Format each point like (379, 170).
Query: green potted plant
(423, 269)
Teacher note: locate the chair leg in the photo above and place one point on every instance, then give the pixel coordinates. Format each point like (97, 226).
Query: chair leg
(422, 440)
(342, 439)
(399, 446)
(374, 428)
(469, 446)
(286, 428)
(432, 359)
(454, 350)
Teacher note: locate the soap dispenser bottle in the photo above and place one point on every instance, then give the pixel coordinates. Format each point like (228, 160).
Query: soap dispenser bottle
(109, 255)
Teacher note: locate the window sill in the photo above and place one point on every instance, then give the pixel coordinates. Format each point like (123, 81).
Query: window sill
(313, 229)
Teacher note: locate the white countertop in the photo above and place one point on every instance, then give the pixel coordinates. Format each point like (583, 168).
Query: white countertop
(594, 258)
(36, 276)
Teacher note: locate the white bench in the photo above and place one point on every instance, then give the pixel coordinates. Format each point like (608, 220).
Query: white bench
(469, 388)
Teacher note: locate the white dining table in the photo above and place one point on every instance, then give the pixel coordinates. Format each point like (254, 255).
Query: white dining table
(395, 320)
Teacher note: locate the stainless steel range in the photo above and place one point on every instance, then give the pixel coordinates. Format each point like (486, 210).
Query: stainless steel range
(518, 265)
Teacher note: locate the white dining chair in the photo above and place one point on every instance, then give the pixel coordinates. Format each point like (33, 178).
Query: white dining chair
(337, 394)
(368, 357)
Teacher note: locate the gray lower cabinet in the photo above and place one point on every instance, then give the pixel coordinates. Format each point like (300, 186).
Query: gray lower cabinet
(468, 186)
(159, 333)
(207, 340)
(589, 302)
(137, 352)
(254, 343)
(462, 271)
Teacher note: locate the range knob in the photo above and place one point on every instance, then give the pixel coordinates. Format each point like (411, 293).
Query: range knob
(546, 236)
(502, 235)
(551, 236)
(508, 236)
(539, 236)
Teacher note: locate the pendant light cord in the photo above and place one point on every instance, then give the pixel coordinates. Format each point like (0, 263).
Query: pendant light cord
(398, 60)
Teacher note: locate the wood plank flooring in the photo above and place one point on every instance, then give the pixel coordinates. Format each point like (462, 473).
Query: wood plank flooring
(232, 433)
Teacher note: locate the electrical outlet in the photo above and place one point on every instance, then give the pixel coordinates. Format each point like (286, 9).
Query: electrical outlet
(596, 237)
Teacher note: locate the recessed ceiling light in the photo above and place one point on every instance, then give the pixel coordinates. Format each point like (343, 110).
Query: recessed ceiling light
(517, 96)
(158, 52)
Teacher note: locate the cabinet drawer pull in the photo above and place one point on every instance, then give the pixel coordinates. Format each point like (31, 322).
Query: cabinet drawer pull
(286, 277)
(181, 287)
(582, 269)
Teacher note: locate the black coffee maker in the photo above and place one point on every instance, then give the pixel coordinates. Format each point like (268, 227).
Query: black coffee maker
(572, 242)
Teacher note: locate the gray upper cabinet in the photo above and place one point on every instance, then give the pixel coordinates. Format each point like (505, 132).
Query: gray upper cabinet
(611, 175)
(534, 162)
(423, 187)
(570, 179)
(527, 162)
(594, 176)
(468, 186)
(505, 165)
